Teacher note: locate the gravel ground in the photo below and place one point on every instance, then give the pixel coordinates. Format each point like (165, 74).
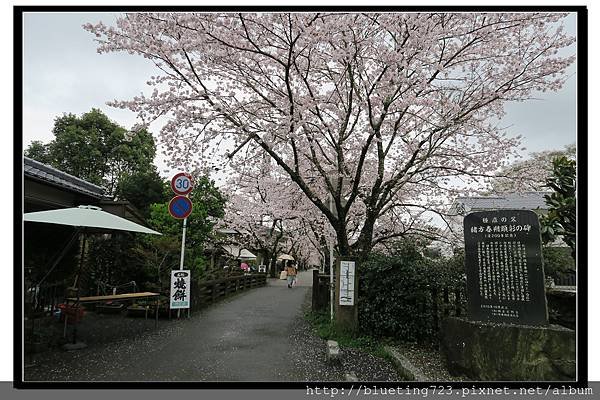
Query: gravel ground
(114, 342)
(95, 329)
(310, 358)
(108, 337)
(429, 360)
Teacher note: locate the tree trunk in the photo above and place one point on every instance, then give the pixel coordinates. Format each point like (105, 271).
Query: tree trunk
(364, 244)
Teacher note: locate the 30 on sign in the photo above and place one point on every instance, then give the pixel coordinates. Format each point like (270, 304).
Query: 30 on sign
(182, 183)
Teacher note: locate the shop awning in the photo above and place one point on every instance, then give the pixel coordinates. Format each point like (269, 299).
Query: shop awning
(238, 252)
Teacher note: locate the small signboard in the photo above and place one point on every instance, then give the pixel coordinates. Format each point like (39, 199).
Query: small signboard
(180, 207)
(182, 183)
(262, 268)
(180, 289)
(347, 270)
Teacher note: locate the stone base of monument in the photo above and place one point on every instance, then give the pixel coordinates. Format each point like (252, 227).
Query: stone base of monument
(500, 352)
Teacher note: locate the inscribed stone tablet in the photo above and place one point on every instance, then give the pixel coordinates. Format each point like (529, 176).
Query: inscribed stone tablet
(503, 261)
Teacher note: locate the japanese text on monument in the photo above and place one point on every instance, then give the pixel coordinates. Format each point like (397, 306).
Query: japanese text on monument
(504, 267)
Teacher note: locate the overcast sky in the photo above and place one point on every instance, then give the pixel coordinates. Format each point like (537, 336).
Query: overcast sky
(63, 73)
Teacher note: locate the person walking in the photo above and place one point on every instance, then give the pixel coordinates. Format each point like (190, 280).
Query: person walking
(291, 273)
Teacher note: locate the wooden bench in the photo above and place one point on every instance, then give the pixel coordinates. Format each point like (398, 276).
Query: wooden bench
(113, 297)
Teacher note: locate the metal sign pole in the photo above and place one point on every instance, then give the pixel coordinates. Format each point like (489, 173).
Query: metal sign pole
(182, 255)
(183, 244)
(180, 207)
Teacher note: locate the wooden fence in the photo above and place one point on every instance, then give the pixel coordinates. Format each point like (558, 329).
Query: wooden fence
(43, 299)
(320, 293)
(438, 303)
(447, 302)
(566, 279)
(209, 292)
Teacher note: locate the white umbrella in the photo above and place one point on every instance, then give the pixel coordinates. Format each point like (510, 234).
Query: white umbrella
(86, 217)
(238, 252)
(285, 257)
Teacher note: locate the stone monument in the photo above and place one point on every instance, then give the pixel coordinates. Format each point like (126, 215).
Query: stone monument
(506, 335)
(503, 261)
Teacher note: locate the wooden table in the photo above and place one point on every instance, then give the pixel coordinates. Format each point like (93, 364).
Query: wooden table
(125, 296)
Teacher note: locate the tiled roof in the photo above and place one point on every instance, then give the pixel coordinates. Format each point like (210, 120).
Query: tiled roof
(37, 170)
(516, 201)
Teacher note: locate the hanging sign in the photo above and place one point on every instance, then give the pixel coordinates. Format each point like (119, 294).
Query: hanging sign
(180, 207)
(180, 289)
(347, 270)
(182, 183)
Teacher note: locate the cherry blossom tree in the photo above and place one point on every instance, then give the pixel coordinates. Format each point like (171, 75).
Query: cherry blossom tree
(530, 174)
(384, 113)
(271, 215)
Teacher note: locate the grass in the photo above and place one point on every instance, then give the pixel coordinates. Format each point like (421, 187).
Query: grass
(325, 329)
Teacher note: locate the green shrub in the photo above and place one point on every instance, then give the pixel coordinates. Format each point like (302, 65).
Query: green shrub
(395, 292)
(557, 261)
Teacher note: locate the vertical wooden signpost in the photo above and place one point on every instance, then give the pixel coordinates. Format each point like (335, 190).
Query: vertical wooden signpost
(180, 207)
(346, 285)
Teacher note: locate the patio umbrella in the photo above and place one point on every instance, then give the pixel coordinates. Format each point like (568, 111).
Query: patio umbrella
(87, 219)
(238, 253)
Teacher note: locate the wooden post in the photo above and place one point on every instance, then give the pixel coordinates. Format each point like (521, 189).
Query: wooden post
(434, 307)
(346, 315)
(457, 302)
(315, 290)
(157, 307)
(446, 302)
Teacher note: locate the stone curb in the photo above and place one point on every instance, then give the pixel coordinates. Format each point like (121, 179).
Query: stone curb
(74, 346)
(333, 352)
(351, 377)
(405, 367)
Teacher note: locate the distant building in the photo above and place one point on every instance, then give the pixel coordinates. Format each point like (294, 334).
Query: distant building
(510, 201)
(46, 188)
(462, 206)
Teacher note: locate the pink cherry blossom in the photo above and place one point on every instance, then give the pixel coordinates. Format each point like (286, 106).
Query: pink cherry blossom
(387, 113)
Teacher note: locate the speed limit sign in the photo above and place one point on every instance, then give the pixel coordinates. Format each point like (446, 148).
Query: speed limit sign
(182, 183)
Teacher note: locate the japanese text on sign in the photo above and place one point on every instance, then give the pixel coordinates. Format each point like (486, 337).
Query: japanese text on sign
(180, 289)
(347, 270)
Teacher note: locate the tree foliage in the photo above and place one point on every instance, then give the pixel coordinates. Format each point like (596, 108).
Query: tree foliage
(561, 220)
(397, 291)
(148, 259)
(143, 189)
(208, 206)
(96, 149)
(38, 151)
(381, 111)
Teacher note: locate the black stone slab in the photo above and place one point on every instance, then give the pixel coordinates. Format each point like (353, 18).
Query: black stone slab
(503, 262)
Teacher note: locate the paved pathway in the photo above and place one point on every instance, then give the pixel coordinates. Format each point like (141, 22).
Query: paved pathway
(244, 338)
